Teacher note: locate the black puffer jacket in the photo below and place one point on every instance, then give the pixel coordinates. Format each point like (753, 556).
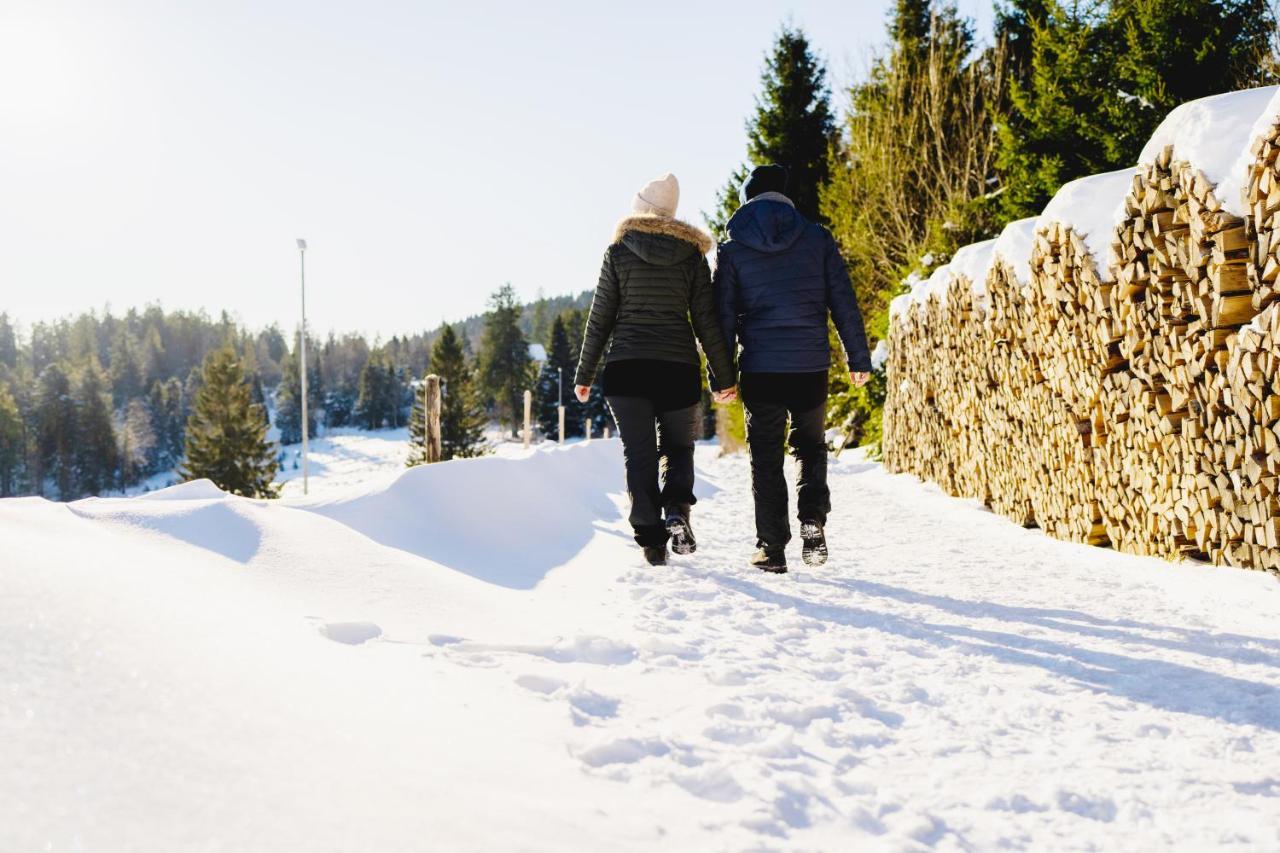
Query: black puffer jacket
(777, 279)
(654, 282)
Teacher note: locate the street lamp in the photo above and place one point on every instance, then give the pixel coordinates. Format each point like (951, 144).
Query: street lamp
(302, 352)
(560, 400)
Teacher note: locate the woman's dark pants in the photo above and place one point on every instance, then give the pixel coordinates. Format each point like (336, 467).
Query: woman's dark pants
(658, 449)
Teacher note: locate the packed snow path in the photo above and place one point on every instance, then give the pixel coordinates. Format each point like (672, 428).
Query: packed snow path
(473, 656)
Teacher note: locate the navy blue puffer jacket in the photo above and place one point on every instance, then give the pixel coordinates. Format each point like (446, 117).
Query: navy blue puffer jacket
(777, 277)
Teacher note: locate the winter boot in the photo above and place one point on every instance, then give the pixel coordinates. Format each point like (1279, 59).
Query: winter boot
(814, 542)
(656, 555)
(770, 560)
(682, 541)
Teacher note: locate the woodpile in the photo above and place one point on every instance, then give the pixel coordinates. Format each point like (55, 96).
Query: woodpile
(1128, 397)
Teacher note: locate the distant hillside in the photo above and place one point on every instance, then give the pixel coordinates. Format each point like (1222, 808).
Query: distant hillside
(535, 317)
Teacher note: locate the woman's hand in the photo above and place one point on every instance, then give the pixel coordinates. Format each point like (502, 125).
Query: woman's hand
(728, 395)
(582, 392)
(858, 379)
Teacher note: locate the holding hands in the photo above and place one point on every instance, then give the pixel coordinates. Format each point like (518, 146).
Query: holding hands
(728, 395)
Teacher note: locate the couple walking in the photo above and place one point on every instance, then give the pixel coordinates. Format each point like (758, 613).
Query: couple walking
(777, 279)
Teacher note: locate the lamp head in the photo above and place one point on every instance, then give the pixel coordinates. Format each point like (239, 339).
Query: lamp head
(302, 244)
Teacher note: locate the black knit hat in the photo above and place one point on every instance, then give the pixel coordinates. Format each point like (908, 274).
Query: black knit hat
(765, 179)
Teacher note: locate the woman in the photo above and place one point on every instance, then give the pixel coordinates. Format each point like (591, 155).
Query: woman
(654, 281)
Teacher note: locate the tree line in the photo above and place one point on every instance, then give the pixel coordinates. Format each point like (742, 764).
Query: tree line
(944, 141)
(99, 402)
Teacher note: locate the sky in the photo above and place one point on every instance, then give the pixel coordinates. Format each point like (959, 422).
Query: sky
(161, 152)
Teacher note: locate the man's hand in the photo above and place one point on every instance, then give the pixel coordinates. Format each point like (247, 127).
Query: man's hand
(728, 395)
(858, 379)
(582, 392)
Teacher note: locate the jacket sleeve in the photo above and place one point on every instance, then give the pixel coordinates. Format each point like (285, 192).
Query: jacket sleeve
(600, 322)
(706, 325)
(844, 308)
(725, 287)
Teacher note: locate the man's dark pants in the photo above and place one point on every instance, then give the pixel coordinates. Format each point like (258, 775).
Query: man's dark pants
(770, 400)
(656, 443)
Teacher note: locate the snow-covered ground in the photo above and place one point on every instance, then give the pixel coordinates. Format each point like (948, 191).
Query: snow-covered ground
(471, 656)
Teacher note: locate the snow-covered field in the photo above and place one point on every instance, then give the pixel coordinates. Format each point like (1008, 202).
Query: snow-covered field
(471, 656)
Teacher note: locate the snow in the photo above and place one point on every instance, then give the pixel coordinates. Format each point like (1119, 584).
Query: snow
(472, 656)
(971, 261)
(195, 490)
(880, 354)
(1215, 135)
(1092, 207)
(1014, 245)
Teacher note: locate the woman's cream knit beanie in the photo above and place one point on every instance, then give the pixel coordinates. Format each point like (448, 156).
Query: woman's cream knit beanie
(660, 197)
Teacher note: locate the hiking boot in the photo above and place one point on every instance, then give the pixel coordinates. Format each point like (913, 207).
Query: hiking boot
(770, 560)
(655, 555)
(682, 541)
(814, 542)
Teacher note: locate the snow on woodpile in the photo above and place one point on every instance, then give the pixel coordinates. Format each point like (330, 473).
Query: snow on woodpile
(1100, 388)
(1215, 136)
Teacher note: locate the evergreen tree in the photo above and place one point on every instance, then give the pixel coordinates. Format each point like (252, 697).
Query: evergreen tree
(382, 393)
(138, 441)
(13, 444)
(8, 343)
(226, 437)
(289, 400)
(1094, 80)
(55, 417)
(96, 459)
(792, 126)
(462, 417)
(504, 358)
(126, 371)
(552, 383)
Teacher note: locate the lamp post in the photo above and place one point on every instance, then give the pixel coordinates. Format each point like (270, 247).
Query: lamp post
(302, 353)
(560, 400)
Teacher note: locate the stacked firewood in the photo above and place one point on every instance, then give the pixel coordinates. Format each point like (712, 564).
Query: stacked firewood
(1130, 400)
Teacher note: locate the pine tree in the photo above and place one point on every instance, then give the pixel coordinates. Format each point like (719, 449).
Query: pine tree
(462, 417)
(8, 342)
(96, 459)
(13, 444)
(55, 428)
(504, 358)
(792, 126)
(381, 397)
(138, 441)
(555, 387)
(289, 400)
(1094, 79)
(226, 436)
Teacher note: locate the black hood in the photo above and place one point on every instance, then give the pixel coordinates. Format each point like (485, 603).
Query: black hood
(661, 250)
(767, 225)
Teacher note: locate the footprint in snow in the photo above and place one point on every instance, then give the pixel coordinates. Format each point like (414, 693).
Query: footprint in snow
(350, 633)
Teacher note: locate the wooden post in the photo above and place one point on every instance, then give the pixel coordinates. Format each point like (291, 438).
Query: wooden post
(586, 429)
(606, 432)
(561, 424)
(528, 417)
(431, 410)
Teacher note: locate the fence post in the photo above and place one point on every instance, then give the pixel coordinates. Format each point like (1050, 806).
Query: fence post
(528, 418)
(431, 410)
(606, 433)
(586, 429)
(561, 423)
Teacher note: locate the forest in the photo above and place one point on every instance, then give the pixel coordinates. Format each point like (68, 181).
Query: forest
(942, 141)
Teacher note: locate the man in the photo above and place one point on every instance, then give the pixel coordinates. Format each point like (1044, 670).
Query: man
(777, 279)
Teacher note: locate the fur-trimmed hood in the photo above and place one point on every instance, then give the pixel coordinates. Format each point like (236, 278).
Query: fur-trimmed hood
(643, 233)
